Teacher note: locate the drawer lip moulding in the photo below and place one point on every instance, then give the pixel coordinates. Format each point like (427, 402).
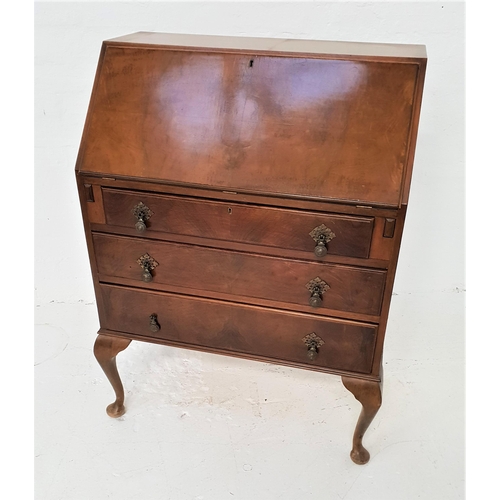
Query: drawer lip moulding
(246, 329)
(277, 227)
(237, 274)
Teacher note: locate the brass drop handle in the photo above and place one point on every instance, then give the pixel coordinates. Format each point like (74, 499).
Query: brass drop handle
(320, 249)
(153, 323)
(315, 299)
(140, 225)
(313, 343)
(148, 264)
(317, 287)
(146, 275)
(312, 352)
(142, 213)
(321, 235)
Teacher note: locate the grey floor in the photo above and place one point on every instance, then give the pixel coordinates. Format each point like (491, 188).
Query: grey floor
(206, 427)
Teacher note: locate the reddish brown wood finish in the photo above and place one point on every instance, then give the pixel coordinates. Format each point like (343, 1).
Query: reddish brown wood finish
(240, 275)
(259, 123)
(240, 222)
(245, 329)
(105, 350)
(386, 302)
(240, 147)
(244, 247)
(293, 202)
(369, 394)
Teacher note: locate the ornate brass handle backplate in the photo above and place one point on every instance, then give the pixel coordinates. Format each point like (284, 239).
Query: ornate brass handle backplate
(317, 287)
(321, 235)
(148, 264)
(313, 342)
(142, 213)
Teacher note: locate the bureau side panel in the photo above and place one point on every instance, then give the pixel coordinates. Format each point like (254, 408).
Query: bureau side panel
(386, 302)
(91, 207)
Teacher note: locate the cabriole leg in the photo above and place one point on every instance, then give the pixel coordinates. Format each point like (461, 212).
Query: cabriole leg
(369, 394)
(106, 348)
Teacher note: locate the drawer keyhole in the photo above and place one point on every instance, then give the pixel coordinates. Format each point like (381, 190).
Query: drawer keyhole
(229, 210)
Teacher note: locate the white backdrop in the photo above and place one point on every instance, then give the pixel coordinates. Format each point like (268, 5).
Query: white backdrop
(424, 350)
(68, 38)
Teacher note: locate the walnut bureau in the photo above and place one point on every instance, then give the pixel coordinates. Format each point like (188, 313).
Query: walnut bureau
(247, 197)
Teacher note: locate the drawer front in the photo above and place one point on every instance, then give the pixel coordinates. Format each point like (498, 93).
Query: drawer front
(350, 236)
(249, 330)
(239, 274)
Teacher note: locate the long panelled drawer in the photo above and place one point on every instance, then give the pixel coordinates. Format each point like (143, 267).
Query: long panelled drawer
(341, 288)
(239, 222)
(229, 327)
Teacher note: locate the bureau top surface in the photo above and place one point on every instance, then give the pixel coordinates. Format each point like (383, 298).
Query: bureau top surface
(278, 45)
(327, 120)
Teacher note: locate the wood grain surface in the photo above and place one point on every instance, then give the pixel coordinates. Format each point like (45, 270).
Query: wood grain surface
(242, 328)
(239, 274)
(302, 126)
